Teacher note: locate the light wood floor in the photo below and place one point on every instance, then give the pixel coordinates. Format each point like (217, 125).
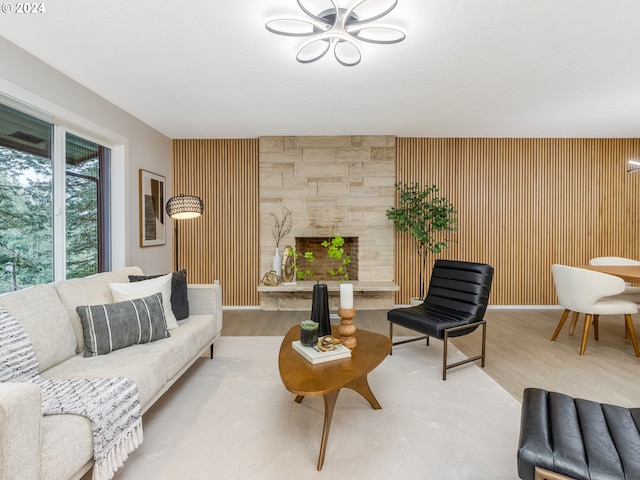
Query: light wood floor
(519, 351)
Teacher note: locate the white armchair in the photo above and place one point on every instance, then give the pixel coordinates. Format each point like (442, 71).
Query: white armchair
(589, 292)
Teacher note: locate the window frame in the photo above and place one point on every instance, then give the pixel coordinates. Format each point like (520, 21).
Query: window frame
(65, 121)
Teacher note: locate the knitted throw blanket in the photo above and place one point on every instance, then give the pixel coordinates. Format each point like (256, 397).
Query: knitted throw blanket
(111, 404)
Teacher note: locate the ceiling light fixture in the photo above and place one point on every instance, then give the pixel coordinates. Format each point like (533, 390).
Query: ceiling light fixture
(337, 29)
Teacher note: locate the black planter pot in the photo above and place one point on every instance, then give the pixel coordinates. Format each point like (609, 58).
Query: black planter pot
(320, 309)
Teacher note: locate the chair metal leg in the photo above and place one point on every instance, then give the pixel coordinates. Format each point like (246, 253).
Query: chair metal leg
(413, 340)
(444, 355)
(563, 319)
(596, 328)
(484, 344)
(480, 357)
(445, 367)
(585, 332)
(403, 341)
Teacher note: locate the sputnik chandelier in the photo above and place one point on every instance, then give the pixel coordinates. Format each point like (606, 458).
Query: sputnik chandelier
(338, 29)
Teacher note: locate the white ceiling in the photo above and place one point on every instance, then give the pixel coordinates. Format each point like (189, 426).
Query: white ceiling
(468, 68)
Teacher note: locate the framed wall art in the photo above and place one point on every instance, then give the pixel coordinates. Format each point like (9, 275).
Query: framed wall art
(152, 214)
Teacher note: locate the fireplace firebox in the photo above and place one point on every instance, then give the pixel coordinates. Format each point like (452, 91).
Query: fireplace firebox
(322, 263)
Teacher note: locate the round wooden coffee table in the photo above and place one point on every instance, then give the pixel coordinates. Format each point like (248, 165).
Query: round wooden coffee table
(306, 379)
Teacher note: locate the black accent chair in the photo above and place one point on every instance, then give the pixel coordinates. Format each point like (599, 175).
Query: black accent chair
(455, 305)
(564, 438)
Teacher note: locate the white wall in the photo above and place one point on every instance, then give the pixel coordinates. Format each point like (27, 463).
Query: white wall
(30, 80)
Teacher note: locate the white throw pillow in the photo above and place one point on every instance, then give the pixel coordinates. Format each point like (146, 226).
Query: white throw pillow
(131, 291)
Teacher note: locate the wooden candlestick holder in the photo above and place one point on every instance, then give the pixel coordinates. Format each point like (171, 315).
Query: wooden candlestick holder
(347, 328)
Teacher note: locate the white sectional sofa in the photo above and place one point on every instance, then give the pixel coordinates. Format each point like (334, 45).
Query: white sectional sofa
(59, 447)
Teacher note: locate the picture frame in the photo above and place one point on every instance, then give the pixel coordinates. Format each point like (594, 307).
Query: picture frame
(151, 209)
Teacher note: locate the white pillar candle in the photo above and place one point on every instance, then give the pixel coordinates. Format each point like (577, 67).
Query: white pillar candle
(346, 295)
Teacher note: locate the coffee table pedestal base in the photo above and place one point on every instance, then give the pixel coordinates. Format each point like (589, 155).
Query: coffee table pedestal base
(360, 385)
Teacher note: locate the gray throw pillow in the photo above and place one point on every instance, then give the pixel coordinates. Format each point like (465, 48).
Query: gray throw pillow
(179, 300)
(113, 326)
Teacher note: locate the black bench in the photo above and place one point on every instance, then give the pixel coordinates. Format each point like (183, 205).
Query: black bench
(571, 438)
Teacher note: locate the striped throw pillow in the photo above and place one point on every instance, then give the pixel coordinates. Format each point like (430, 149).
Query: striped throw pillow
(113, 326)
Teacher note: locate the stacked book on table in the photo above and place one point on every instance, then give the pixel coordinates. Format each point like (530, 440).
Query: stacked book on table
(315, 355)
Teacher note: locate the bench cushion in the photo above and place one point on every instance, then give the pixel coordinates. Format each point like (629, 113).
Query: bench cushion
(578, 438)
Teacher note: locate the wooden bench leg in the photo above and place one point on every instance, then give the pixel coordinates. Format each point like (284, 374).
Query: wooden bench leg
(542, 474)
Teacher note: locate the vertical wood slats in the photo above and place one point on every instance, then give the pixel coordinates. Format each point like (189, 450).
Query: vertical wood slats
(223, 243)
(525, 204)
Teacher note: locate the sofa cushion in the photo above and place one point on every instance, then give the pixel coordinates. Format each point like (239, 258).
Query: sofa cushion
(91, 290)
(129, 291)
(179, 300)
(114, 326)
(46, 322)
(144, 365)
(194, 334)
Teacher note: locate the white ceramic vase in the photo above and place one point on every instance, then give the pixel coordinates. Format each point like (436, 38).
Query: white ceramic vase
(277, 263)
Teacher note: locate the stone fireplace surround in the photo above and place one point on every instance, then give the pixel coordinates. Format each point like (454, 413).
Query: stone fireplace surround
(341, 184)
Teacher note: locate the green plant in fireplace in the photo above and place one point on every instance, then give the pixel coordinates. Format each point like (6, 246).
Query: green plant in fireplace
(334, 247)
(335, 250)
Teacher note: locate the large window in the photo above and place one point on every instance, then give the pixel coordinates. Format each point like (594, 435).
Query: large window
(54, 202)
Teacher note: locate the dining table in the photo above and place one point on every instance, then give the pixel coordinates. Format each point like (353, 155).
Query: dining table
(629, 273)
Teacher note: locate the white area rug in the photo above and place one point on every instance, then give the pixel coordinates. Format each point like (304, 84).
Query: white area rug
(232, 419)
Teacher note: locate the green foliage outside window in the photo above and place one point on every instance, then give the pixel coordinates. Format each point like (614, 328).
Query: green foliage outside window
(26, 219)
(26, 207)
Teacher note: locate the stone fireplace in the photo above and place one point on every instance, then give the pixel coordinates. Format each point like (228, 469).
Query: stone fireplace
(331, 185)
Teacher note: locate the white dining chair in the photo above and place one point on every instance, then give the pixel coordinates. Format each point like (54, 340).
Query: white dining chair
(613, 261)
(631, 292)
(589, 292)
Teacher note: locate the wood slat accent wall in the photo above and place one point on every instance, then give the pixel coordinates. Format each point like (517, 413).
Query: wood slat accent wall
(223, 243)
(525, 204)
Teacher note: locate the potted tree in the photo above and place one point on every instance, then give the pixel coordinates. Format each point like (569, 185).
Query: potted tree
(428, 218)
